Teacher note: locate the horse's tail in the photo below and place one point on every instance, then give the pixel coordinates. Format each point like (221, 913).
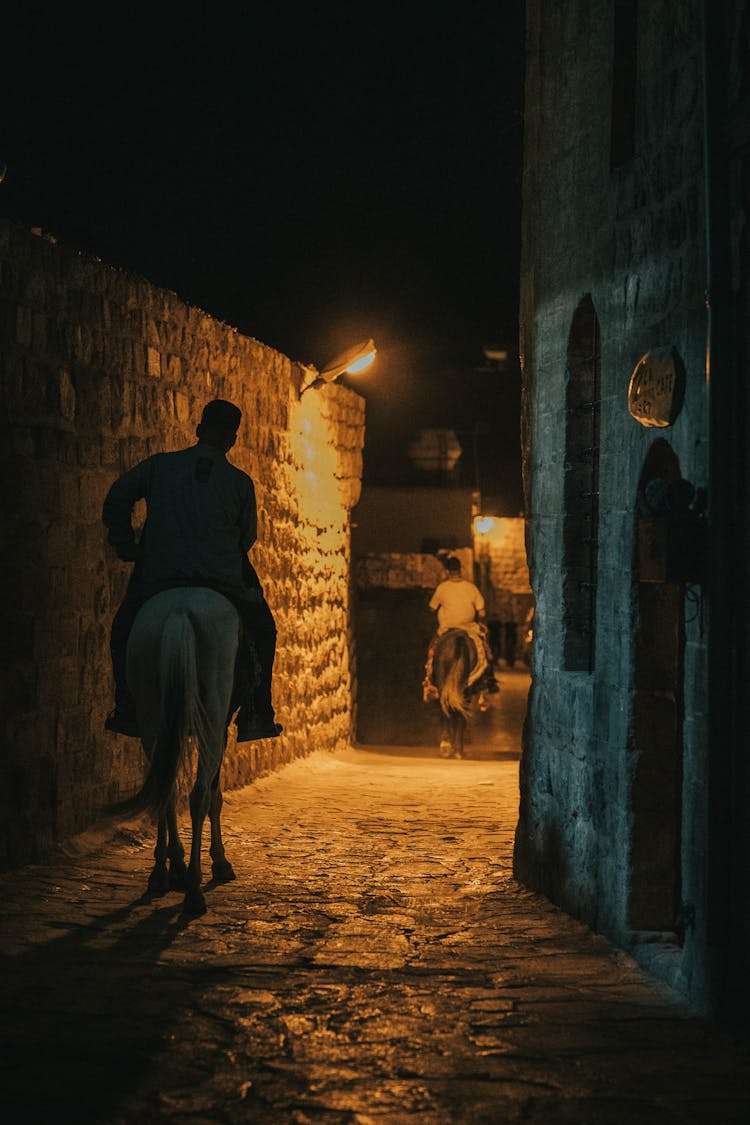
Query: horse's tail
(182, 715)
(453, 689)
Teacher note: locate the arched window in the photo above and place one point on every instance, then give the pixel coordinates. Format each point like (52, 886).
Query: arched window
(581, 494)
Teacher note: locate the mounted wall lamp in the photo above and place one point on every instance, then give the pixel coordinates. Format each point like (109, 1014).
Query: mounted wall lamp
(353, 360)
(483, 525)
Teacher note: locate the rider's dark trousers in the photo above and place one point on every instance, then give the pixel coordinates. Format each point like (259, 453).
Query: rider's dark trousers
(258, 628)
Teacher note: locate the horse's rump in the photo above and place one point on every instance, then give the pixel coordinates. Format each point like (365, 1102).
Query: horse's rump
(181, 659)
(454, 658)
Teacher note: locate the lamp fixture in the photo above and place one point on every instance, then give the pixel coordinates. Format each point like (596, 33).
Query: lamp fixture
(355, 359)
(483, 525)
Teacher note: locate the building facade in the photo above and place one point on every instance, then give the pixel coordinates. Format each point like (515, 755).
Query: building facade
(634, 314)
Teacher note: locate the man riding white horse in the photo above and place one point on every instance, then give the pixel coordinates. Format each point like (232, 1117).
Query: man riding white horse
(201, 522)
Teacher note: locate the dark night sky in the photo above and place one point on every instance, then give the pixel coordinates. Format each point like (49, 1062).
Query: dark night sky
(313, 173)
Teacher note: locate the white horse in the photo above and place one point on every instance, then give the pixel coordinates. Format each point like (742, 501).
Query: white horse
(180, 667)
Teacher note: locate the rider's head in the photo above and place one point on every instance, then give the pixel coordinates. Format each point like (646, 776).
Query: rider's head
(219, 424)
(452, 565)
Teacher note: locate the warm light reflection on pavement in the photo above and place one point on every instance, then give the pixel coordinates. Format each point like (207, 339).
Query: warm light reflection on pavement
(374, 962)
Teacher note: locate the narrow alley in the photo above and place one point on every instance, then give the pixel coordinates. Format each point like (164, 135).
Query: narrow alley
(374, 962)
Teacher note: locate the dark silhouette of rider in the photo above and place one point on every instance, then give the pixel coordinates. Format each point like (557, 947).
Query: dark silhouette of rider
(201, 520)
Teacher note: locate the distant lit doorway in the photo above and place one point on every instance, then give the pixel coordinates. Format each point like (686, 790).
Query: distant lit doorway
(393, 631)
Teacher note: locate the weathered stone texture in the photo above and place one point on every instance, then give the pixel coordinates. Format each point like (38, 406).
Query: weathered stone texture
(99, 370)
(509, 569)
(633, 238)
(503, 570)
(394, 571)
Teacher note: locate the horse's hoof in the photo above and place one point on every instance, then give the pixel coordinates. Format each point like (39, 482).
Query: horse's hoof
(158, 882)
(195, 903)
(445, 749)
(223, 872)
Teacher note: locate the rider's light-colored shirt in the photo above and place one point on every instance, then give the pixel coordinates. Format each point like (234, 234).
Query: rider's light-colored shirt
(457, 603)
(201, 515)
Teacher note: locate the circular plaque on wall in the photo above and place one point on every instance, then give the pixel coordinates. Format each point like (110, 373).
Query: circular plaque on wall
(657, 387)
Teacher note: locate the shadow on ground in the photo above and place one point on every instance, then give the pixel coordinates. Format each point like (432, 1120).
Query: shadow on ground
(82, 1029)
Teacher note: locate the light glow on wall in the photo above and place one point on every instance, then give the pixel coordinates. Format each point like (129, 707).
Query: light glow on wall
(316, 473)
(484, 525)
(492, 532)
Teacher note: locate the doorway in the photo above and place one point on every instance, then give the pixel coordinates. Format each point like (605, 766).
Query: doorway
(656, 735)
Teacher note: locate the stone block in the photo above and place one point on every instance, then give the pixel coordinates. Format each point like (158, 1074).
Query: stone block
(24, 326)
(82, 344)
(39, 333)
(173, 369)
(92, 487)
(109, 453)
(57, 682)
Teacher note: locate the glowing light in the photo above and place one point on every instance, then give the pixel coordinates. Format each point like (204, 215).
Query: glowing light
(351, 362)
(499, 355)
(483, 525)
(316, 471)
(362, 363)
(356, 358)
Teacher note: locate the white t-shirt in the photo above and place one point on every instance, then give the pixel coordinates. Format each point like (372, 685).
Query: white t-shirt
(457, 603)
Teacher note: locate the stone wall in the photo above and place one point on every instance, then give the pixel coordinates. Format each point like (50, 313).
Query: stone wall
(397, 571)
(99, 370)
(500, 552)
(729, 782)
(631, 237)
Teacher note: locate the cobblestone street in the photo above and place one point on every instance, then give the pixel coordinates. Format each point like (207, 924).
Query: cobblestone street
(374, 963)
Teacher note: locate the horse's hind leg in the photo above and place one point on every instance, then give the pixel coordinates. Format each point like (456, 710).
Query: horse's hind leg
(158, 880)
(195, 901)
(446, 742)
(452, 736)
(175, 851)
(221, 868)
(458, 729)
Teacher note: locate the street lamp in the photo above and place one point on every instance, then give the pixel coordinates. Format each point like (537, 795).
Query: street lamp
(484, 525)
(353, 360)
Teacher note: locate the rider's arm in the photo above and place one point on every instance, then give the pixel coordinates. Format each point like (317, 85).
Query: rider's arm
(479, 603)
(248, 519)
(117, 511)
